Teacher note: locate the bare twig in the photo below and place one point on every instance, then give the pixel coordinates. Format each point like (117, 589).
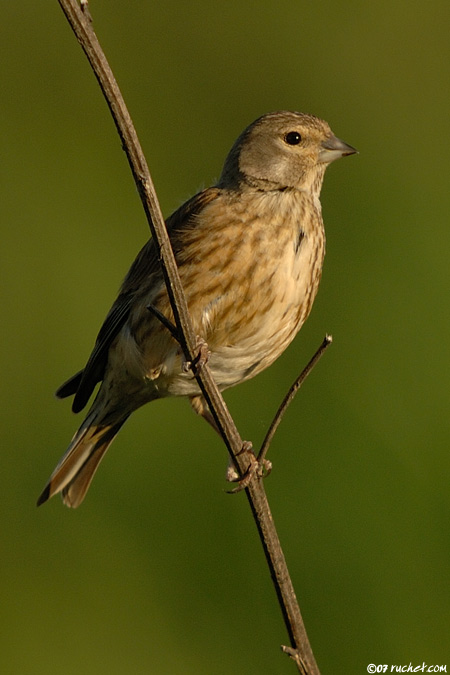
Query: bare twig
(290, 397)
(165, 321)
(81, 23)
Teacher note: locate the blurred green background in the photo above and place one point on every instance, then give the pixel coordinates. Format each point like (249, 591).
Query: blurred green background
(160, 571)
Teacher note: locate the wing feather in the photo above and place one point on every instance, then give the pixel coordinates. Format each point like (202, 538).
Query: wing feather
(144, 274)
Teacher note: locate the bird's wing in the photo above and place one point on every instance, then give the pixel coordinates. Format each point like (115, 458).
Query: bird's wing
(144, 273)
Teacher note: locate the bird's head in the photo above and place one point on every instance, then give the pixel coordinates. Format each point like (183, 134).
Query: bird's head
(283, 150)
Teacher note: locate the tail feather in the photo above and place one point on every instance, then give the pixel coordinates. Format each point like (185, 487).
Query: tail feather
(75, 471)
(70, 386)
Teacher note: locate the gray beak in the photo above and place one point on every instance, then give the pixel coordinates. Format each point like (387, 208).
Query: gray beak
(333, 148)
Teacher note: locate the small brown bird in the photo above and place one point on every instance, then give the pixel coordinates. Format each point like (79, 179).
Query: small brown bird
(250, 252)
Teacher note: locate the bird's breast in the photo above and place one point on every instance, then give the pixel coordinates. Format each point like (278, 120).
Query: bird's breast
(260, 288)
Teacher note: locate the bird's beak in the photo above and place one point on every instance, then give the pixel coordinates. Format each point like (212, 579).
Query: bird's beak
(333, 148)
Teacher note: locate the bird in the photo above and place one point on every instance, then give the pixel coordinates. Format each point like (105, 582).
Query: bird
(249, 251)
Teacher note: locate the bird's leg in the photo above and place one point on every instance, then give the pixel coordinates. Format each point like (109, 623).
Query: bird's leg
(200, 406)
(201, 358)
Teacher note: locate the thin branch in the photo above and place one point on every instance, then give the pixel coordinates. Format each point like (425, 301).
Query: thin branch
(81, 23)
(165, 321)
(290, 397)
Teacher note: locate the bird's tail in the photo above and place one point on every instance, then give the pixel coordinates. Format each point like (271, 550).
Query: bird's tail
(75, 471)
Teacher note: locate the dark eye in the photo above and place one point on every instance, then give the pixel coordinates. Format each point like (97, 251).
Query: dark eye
(293, 138)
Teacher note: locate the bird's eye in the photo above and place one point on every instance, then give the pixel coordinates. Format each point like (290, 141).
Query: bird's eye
(293, 138)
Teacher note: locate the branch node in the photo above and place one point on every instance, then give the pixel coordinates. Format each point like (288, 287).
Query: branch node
(255, 469)
(295, 656)
(84, 6)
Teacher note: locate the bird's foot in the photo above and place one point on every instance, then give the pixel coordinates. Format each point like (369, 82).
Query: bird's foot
(201, 358)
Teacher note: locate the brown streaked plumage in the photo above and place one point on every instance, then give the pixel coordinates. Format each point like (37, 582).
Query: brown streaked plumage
(250, 253)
